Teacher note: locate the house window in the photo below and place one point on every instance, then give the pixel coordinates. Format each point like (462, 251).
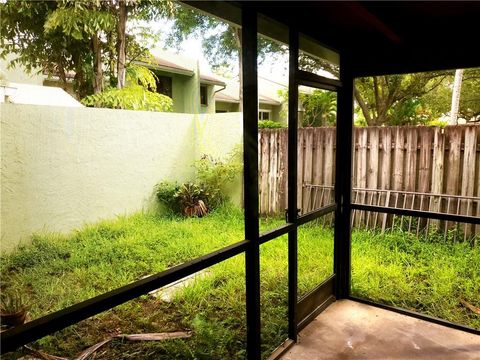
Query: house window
(264, 115)
(203, 95)
(164, 85)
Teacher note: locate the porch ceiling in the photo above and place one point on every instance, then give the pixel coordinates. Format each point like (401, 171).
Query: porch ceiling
(383, 37)
(379, 37)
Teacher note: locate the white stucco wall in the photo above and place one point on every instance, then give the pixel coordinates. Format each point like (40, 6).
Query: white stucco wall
(63, 167)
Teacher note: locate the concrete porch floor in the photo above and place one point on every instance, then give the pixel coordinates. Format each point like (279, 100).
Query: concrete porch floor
(351, 330)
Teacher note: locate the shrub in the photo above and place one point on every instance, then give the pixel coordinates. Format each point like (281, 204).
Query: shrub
(208, 192)
(165, 192)
(215, 174)
(192, 198)
(270, 124)
(132, 97)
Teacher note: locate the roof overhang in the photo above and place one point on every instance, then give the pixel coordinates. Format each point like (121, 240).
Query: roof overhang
(211, 81)
(165, 68)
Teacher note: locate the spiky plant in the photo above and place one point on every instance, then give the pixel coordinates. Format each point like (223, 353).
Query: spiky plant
(192, 198)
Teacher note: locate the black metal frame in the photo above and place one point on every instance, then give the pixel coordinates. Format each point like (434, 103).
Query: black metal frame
(300, 312)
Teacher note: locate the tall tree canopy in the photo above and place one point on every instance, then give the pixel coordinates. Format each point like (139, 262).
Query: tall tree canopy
(395, 99)
(83, 38)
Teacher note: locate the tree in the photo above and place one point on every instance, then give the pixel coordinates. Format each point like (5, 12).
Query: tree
(439, 101)
(470, 95)
(320, 108)
(222, 42)
(84, 22)
(87, 38)
(383, 98)
(457, 88)
(23, 35)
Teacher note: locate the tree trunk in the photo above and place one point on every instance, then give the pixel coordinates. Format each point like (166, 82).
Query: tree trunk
(98, 65)
(122, 22)
(238, 39)
(457, 88)
(61, 73)
(363, 106)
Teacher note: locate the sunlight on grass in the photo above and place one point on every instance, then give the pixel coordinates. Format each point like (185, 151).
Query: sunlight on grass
(59, 270)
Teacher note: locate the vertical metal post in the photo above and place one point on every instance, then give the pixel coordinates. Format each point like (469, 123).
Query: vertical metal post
(343, 182)
(250, 157)
(292, 183)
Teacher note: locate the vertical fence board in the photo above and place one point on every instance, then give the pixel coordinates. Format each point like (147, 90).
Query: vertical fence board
(386, 157)
(411, 159)
(264, 188)
(393, 159)
(272, 176)
(300, 152)
(454, 136)
(282, 170)
(470, 149)
(329, 161)
(386, 169)
(437, 171)
(425, 159)
(307, 171)
(373, 165)
(398, 159)
(468, 174)
(362, 138)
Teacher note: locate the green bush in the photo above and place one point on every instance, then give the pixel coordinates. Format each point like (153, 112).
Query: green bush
(215, 175)
(192, 199)
(208, 192)
(270, 124)
(165, 192)
(132, 97)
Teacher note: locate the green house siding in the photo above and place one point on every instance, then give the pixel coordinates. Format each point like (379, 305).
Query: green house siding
(274, 110)
(180, 84)
(221, 106)
(210, 107)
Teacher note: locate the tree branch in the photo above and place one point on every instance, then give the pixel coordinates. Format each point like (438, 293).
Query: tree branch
(362, 105)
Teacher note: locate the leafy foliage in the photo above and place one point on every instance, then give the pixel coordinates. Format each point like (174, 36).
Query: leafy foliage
(221, 41)
(320, 108)
(270, 124)
(192, 198)
(24, 38)
(394, 99)
(216, 175)
(166, 193)
(66, 37)
(440, 99)
(137, 74)
(208, 192)
(133, 97)
(80, 20)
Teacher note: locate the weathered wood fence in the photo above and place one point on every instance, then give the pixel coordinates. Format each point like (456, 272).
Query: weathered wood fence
(408, 160)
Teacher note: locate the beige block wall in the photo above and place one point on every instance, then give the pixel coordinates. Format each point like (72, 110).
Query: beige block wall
(63, 167)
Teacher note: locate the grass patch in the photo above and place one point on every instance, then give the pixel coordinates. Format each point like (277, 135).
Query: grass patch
(59, 270)
(419, 274)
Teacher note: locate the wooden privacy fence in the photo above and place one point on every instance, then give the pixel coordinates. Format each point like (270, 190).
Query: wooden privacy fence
(433, 169)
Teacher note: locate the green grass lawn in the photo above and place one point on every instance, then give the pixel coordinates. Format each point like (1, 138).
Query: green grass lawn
(59, 270)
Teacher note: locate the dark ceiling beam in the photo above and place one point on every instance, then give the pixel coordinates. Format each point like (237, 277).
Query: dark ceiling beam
(403, 60)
